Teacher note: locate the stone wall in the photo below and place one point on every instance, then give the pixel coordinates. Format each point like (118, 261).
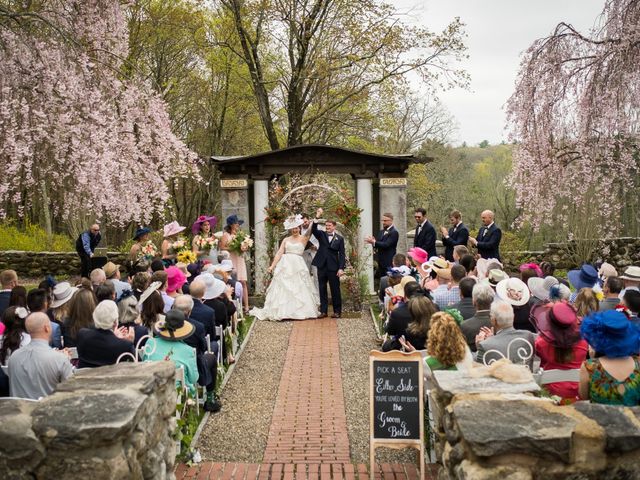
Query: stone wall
(40, 264)
(106, 423)
(501, 436)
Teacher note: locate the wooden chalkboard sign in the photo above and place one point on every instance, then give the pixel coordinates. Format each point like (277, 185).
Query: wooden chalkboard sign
(396, 402)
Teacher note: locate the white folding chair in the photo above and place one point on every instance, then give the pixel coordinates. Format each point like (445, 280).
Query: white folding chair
(208, 340)
(545, 377)
(220, 335)
(183, 392)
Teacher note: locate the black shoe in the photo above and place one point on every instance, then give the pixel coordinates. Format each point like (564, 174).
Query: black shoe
(212, 406)
(336, 315)
(322, 315)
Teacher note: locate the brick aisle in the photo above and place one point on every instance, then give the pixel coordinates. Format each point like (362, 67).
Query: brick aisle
(308, 437)
(309, 423)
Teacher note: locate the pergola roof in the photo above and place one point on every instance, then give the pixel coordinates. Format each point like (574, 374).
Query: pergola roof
(303, 158)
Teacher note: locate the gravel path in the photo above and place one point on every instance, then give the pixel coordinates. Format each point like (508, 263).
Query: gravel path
(238, 433)
(357, 339)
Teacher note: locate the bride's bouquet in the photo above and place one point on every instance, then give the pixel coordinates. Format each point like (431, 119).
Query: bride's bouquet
(147, 252)
(241, 243)
(206, 244)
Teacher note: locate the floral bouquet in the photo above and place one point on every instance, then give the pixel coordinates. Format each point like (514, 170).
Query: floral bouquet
(241, 243)
(186, 257)
(207, 243)
(148, 252)
(178, 246)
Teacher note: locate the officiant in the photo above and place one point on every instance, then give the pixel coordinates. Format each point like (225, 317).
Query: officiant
(385, 244)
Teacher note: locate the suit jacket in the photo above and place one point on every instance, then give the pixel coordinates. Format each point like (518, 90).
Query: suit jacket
(206, 316)
(386, 243)
(489, 244)
(97, 347)
(4, 301)
(608, 304)
(500, 341)
(472, 326)
(466, 308)
(426, 239)
(197, 340)
(399, 321)
(330, 256)
(458, 235)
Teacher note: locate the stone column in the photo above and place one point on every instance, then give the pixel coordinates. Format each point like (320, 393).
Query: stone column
(260, 202)
(393, 199)
(364, 199)
(235, 199)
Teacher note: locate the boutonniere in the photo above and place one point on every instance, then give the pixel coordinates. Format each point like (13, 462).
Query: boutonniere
(386, 232)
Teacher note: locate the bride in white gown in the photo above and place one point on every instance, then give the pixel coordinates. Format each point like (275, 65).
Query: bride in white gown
(292, 293)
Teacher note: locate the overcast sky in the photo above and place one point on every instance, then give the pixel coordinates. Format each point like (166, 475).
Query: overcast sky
(498, 32)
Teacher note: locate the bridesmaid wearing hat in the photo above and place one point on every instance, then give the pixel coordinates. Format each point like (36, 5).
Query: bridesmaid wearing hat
(139, 239)
(239, 265)
(171, 232)
(203, 228)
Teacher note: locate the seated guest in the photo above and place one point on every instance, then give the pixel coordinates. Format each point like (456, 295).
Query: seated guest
(162, 277)
(398, 260)
(201, 312)
(586, 277)
(613, 376)
(465, 305)
(586, 302)
(631, 300)
(605, 271)
(459, 251)
(18, 297)
(631, 279)
(103, 344)
(482, 296)
(410, 319)
(38, 301)
(175, 281)
(558, 344)
(15, 334)
(468, 261)
(139, 283)
(80, 316)
(515, 292)
(97, 277)
(612, 288)
(446, 347)
(168, 344)
(106, 291)
(207, 362)
(214, 298)
(112, 272)
(157, 265)
(128, 316)
(501, 338)
(548, 269)
(151, 307)
(540, 288)
(443, 296)
(63, 292)
(395, 290)
(36, 369)
(529, 270)
(8, 280)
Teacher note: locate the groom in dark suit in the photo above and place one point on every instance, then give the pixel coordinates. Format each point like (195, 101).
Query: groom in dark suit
(489, 236)
(425, 236)
(385, 244)
(330, 261)
(458, 234)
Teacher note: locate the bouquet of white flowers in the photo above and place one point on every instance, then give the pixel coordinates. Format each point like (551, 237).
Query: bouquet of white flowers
(241, 243)
(206, 243)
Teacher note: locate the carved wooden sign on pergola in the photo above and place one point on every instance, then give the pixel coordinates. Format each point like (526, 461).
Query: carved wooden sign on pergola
(388, 172)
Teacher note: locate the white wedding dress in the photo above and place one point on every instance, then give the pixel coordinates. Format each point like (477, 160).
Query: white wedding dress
(292, 293)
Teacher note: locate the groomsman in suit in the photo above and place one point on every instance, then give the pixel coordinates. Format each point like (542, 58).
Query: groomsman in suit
(489, 236)
(425, 236)
(331, 261)
(385, 243)
(458, 234)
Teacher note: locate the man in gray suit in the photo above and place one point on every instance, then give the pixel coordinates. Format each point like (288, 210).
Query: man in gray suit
(482, 295)
(612, 288)
(516, 345)
(465, 305)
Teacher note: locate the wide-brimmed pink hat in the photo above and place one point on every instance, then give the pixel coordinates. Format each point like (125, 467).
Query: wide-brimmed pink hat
(175, 279)
(419, 255)
(173, 228)
(557, 323)
(195, 228)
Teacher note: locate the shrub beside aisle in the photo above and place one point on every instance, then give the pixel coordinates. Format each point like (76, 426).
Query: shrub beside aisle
(32, 238)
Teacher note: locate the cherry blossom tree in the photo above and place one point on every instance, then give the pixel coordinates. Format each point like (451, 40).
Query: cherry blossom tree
(575, 115)
(77, 137)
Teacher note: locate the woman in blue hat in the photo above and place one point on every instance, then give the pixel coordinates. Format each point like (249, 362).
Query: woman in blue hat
(613, 376)
(230, 230)
(140, 238)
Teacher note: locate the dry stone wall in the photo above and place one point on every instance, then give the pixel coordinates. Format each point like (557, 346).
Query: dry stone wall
(39, 264)
(106, 423)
